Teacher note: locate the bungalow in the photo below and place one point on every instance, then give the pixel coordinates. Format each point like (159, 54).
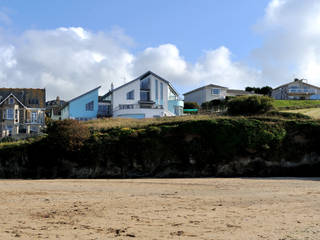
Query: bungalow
(147, 96)
(211, 92)
(83, 107)
(22, 111)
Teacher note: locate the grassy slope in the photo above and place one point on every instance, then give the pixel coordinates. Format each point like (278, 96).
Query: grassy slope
(295, 104)
(312, 112)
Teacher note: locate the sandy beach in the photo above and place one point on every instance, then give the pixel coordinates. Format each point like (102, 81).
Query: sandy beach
(279, 209)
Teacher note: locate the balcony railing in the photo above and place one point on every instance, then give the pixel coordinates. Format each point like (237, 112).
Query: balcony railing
(137, 106)
(301, 91)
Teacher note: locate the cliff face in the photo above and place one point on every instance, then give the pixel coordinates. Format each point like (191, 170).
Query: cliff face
(205, 148)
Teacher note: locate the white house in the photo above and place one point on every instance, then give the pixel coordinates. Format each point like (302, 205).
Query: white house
(147, 96)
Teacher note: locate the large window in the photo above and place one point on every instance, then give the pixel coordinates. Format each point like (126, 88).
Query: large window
(130, 95)
(89, 106)
(215, 91)
(161, 93)
(144, 95)
(145, 83)
(156, 90)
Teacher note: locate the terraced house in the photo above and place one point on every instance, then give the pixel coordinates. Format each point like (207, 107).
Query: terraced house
(22, 111)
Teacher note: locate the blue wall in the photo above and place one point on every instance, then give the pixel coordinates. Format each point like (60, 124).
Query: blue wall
(77, 107)
(173, 103)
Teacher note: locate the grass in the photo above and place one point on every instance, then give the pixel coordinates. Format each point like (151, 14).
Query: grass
(312, 112)
(106, 123)
(295, 104)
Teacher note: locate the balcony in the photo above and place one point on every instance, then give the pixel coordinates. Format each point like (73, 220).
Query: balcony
(137, 106)
(301, 91)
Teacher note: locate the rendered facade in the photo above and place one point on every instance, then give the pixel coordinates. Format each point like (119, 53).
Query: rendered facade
(147, 96)
(83, 107)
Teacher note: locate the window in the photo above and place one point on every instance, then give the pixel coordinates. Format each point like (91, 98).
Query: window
(215, 91)
(161, 93)
(33, 101)
(11, 100)
(126, 106)
(145, 96)
(157, 94)
(34, 117)
(89, 106)
(10, 113)
(16, 115)
(130, 95)
(145, 83)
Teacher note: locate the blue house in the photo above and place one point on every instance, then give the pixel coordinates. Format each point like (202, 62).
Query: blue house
(83, 107)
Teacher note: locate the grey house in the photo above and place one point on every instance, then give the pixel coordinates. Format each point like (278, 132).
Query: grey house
(210, 92)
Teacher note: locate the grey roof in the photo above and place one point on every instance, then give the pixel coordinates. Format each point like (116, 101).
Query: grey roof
(209, 85)
(239, 92)
(25, 96)
(283, 85)
(144, 76)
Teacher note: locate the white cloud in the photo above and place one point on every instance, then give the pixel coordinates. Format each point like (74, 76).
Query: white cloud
(70, 61)
(291, 32)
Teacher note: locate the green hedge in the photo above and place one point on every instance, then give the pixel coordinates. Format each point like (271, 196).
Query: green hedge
(217, 147)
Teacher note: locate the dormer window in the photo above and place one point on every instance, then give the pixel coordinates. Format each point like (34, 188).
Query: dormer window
(11, 100)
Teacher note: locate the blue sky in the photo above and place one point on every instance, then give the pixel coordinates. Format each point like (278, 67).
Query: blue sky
(70, 46)
(193, 26)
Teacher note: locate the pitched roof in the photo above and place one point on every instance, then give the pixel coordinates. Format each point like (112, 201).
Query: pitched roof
(144, 76)
(239, 92)
(73, 99)
(283, 85)
(26, 96)
(209, 85)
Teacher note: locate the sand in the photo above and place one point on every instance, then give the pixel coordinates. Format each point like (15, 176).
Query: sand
(280, 209)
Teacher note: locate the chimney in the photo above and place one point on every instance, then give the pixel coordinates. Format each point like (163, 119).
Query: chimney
(111, 86)
(58, 100)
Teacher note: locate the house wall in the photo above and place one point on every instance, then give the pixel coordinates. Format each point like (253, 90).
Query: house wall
(160, 108)
(204, 95)
(209, 96)
(197, 96)
(65, 112)
(76, 108)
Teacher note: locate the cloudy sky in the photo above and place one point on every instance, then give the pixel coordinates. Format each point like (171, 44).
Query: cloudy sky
(70, 47)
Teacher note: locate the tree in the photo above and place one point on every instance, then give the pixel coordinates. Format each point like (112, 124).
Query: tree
(266, 90)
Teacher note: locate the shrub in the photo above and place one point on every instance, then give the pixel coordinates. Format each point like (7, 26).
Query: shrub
(249, 105)
(191, 105)
(67, 134)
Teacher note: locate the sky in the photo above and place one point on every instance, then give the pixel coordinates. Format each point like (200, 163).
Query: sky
(70, 47)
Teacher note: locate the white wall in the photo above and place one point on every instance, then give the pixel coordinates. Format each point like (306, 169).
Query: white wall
(120, 95)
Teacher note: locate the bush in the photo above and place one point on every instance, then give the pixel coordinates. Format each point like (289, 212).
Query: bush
(249, 105)
(191, 105)
(67, 134)
(214, 104)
